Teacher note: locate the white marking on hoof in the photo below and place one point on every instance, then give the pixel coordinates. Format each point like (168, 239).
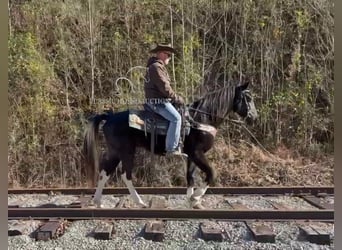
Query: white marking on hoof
(103, 178)
(198, 206)
(199, 192)
(189, 192)
(97, 203)
(196, 203)
(143, 205)
(93, 203)
(135, 196)
(196, 197)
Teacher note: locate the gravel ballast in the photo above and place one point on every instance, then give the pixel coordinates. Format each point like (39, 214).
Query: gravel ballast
(179, 234)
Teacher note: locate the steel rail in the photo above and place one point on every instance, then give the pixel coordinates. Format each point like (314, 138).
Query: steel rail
(134, 213)
(294, 190)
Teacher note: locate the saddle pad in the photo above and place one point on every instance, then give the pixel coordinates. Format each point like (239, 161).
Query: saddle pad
(145, 121)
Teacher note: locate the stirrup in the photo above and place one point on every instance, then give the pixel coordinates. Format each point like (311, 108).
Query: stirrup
(176, 152)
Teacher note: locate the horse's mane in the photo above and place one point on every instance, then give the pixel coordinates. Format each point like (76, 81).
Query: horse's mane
(214, 105)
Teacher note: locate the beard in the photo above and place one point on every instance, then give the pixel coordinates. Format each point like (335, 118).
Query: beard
(167, 61)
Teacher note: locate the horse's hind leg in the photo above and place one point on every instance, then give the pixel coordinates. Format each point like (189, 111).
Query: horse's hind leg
(127, 167)
(108, 166)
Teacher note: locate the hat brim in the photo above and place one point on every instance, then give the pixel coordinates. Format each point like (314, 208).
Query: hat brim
(163, 48)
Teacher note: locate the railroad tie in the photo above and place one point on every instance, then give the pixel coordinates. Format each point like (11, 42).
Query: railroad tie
(15, 230)
(22, 227)
(83, 201)
(317, 202)
(13, 206)
(238, 206)
(104, 231)
(314, 234)
(155, 229)
(279, 206)
(212, 231)
(50, 230)
(158, 202)
(122, 202)
(75, 204)
(261, 232)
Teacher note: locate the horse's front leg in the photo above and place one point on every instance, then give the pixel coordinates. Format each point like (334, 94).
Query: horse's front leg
(127, 166)
(196, 198)
(201, 161)
(190, 169)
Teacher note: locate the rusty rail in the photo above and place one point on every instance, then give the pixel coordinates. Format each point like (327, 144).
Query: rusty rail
(134, 213)
(294, 190)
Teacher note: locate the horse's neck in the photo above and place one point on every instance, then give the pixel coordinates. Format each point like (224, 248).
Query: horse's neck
(203, 116)
(213, 108)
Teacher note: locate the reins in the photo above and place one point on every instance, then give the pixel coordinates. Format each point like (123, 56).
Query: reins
(242, 123)
(220, 117)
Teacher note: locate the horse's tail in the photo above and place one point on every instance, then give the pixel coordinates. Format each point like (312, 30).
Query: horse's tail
(90, 150)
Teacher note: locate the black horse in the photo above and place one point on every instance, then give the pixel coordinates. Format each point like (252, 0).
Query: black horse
(122, 140)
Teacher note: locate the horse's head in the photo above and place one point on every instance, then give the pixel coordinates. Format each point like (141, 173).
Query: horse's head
(244, 104)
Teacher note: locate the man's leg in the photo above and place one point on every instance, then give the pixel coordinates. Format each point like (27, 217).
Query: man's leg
(169, 112)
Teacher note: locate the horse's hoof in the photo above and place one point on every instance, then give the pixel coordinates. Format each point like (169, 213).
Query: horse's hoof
(143, 205)
(194, 199)
(196, 203)
(198, 206)
(96, 203)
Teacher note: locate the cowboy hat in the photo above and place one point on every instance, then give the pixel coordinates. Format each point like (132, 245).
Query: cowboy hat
(163, 47)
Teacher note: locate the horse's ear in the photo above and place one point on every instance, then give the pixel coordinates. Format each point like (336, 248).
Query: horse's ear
(244, 85)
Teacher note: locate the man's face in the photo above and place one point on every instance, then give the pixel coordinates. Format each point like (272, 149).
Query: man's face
(165, 56)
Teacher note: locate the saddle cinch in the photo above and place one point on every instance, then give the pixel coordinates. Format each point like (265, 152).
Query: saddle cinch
(150, 122)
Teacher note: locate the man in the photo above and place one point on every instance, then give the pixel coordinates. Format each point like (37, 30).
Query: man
(159, 95)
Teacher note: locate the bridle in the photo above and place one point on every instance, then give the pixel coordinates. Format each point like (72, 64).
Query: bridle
(208, 114)
(244, 93)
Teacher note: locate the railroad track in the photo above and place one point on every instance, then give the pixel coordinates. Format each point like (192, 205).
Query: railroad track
(294, 190)
(133, 213)
(159, 212)
(280, 212)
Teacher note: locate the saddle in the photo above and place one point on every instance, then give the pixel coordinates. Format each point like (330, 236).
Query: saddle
(150, 122)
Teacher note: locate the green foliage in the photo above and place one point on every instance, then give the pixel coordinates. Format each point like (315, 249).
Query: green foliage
(25, 61)
(60, 50)
(302, 18)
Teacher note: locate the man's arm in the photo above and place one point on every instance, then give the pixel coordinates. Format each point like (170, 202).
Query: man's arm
(161, 80)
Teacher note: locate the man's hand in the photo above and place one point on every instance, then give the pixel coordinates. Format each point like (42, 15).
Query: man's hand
(179, 100)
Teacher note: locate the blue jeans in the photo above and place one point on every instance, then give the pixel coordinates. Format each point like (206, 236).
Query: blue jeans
(168, 111)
